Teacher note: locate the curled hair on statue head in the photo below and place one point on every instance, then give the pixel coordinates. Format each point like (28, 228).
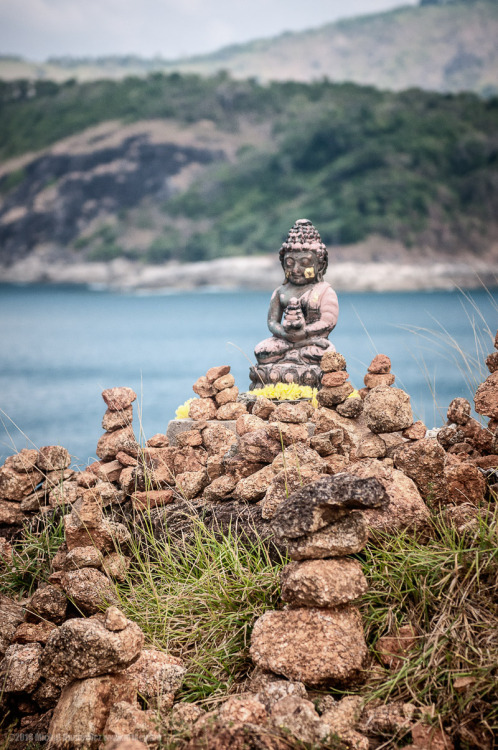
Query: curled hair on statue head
(303, 236)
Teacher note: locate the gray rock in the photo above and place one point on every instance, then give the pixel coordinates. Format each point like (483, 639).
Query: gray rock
(312, 507)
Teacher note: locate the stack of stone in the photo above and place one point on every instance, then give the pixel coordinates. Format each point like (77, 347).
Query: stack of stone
(379, 372)
(218, 396)
(32, 480)
(486, 398)
(336, 390)
(318, 640)
(119, 436)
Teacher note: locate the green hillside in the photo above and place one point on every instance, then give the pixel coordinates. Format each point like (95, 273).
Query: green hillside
(237, 163)
(436, 46)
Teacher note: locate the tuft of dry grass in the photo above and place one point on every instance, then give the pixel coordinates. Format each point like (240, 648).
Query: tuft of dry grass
(446, 589)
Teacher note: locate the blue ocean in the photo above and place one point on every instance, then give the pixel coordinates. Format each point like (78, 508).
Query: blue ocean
(61, 346)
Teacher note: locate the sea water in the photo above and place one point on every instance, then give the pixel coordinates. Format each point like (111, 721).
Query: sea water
(61, 346)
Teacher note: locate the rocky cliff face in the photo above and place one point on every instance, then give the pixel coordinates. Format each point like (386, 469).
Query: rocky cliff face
(59, 194)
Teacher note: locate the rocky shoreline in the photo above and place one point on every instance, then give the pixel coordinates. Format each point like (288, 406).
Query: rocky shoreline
(255, 273)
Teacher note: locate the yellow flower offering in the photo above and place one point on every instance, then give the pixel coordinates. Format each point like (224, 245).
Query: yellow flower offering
(183, 411)
(287, 392)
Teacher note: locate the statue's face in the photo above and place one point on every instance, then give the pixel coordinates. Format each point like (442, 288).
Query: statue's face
(301, 267)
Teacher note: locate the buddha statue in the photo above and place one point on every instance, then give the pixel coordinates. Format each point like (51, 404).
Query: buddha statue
(303, 311)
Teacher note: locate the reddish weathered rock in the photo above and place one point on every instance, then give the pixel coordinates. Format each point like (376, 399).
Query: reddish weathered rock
(220, 488)
(110, 471)
(253, 488)
(486, 398)
(19, 670)
(416, 431)
(459, 411)
(387, 409)
(351, 408)
(23, 462)
(82, 711)
(11, 615)
(333, 396)
(120, 398)
(239, 710)
(157, 675)
(231, 411)
(203, 387)
(86, 648)
(126, 721)
(424, 461)
(116, 565)
(335, 464)
(53, 458)
(283, 484)
(288, 433)
(189, 459)
(322, 583)
(248, 423)
(86, 479)
(492, 362)
(465, 484)
(217, 438)
(214, 466)
(380, 364)
(426, 737)
(333, 379)
(297, 456)
(259, 446)
(227, 395)
(341, 717)
(15, 485)
(89, 589)
(346, 536)
(217, 372)
(263, 407)
(395, 649)
(64, 494)
(239, 467)
(298, 718)
(314, 646)
(372, 380)
(372, 446)
(158, 441)
(115, 620)
(332, 362)
(190, 484)
(202, 408)
(10, 513)
(405, 509)
(151, 499)
(294, 413)
(47, 603)
(82, 557)
(31, 632)
(115, 420)
(223, 382)
(327, 442)
(270, 688)
(111, 443)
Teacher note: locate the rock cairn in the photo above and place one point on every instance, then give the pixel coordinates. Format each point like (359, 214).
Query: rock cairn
(318, 640)
(217, 396)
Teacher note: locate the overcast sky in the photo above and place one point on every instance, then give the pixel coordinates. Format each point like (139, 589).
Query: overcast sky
(38, 29)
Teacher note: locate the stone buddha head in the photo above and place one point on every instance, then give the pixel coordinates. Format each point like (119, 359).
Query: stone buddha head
(303, 255)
